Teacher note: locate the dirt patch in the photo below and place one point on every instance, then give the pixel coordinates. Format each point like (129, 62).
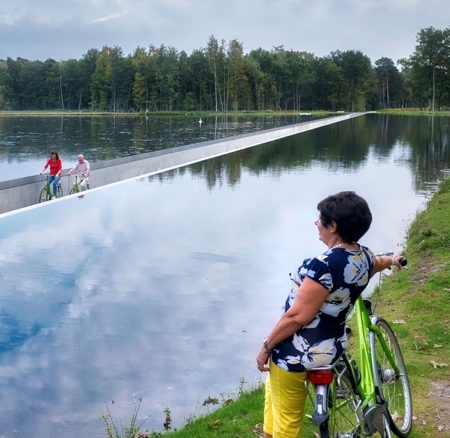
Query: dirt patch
(440, 391)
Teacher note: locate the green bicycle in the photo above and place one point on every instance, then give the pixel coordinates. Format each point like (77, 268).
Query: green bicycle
(77, 184)
(368, 397)
(46, 193)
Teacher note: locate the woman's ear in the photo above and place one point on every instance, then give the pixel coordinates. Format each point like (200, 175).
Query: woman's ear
(332, 227)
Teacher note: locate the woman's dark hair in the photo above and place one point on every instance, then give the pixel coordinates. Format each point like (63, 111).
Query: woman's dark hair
(349, 211)
(56, 153)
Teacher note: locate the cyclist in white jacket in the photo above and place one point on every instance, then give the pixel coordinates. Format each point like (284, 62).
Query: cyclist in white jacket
(82, 169)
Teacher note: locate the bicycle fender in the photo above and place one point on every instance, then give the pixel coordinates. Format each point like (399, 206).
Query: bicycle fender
(373, 418)
(320, 415)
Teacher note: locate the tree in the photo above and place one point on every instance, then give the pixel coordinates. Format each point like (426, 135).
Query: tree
(202, 82)
(87, 66)
(357, 73)
(267, 84)
(5, 91)
(112, 80)
(167, 77)
(216, 60)
(144, 66)
(431, 54)
(389, 81)
(235, 74)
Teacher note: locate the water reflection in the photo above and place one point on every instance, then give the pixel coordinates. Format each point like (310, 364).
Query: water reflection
(160, 289)
(348, 146)
(25, 142)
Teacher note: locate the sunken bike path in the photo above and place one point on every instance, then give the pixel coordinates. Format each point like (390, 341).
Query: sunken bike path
(24, 192)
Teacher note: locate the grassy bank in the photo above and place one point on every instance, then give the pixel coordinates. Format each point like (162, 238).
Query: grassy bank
(414, 112)
(416, 302)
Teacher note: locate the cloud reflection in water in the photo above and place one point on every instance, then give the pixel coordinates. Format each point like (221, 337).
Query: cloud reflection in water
(158, 290)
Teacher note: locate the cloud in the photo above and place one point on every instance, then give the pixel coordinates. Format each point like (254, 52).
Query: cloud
(107, 18)
(68, 29)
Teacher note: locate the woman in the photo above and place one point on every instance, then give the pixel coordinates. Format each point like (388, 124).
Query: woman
(55, 165)
(311, 331)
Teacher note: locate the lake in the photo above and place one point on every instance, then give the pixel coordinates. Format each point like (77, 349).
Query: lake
(157, 292)
(26, 142)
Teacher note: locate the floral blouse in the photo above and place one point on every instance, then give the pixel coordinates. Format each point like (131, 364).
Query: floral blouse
(345, 273)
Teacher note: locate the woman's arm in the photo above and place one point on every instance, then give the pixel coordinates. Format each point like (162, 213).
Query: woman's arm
(59, 168)
(386, 262)
(310, 297)
(43, 169)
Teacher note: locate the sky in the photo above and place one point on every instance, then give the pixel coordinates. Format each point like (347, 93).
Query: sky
(66, 29)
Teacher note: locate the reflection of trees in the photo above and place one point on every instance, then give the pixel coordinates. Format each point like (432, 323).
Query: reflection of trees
(430, 150)
(102, 138)
(339, 146)
(427, 138)
(343, 147)
(220, 170)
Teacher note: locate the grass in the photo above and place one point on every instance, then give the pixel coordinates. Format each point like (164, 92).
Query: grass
(413, 112)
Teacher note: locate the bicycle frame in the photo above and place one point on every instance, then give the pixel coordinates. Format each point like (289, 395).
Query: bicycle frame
(365, 397)
(76, 185)
(372, 402)
(47, 191)
(367, 324)
(48, 188)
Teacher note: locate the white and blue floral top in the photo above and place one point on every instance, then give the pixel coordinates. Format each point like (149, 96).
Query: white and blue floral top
(345, 273)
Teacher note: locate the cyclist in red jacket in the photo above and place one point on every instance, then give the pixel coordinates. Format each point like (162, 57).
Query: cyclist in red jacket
(55, 165)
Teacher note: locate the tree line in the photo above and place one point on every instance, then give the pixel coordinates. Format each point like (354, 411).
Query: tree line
(221, 77)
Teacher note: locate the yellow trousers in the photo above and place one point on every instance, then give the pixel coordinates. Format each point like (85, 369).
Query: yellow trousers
(284, 403)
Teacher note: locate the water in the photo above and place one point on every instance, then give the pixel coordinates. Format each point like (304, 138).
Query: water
(26, 142)
(157, 292)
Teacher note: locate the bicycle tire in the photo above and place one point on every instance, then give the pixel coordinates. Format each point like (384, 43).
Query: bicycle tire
(43, 196)
(59, 191)
(73, 191)
(346, 418)
(394, 388)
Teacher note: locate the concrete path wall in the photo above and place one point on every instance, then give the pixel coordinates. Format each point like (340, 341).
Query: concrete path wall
(23, 192)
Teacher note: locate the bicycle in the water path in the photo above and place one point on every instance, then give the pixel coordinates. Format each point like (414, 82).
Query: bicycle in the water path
(47, 194)
(77, 184)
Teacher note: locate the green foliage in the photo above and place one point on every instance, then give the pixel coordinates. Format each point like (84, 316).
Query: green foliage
(131, 430)
(418, 305)
(241, 418)
(222, 77)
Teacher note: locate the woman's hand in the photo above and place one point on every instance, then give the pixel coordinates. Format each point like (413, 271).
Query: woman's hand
(396, 261)
(262, 360)
(310, 297)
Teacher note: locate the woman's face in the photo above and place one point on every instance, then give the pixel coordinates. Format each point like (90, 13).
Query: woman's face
(53, 156)
(325, 233)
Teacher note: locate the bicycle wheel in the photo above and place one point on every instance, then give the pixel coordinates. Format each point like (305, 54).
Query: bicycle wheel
(59, 191)
(44, 195)
(74, 190)
(346, 419)
(394, 387)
